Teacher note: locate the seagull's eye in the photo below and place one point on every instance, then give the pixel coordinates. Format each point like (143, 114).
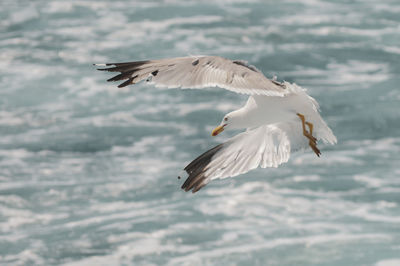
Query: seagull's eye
(226, 119)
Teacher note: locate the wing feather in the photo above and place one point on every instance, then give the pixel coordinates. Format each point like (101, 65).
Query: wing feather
(197, 72)
(265, 146)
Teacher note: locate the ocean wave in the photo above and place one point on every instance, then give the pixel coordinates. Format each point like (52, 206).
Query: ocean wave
(88, 171)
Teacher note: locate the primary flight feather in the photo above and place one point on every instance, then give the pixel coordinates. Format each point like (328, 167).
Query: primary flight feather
(278, 117)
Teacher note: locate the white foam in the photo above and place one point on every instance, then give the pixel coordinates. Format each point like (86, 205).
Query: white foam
(198, 256)
(21, 15)
(369, 181)
(349, 74)
(388, 262)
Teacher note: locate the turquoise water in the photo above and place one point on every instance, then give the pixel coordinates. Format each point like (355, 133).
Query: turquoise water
(88, 171)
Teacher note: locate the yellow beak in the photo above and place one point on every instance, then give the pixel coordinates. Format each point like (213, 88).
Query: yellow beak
(217, 130)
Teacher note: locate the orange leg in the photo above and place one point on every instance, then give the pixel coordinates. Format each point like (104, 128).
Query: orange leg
(312, 140)
(303, 121)
(310, 128)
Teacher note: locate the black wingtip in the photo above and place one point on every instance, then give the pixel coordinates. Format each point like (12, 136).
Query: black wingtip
(196, 170)
(127, 71)
(126, 83)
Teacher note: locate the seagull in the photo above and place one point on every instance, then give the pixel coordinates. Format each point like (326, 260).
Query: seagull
(278, 117)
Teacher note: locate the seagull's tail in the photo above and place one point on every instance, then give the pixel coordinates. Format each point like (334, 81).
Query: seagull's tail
(325, 133)
(321, 129)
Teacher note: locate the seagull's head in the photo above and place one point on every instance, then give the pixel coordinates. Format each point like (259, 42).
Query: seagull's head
(230, 121)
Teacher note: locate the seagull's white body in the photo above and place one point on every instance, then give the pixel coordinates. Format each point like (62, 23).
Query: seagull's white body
(262, 110)
(271, 116)
(266, 110)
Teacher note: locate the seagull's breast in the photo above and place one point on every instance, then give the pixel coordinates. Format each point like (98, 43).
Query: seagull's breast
(262, 110)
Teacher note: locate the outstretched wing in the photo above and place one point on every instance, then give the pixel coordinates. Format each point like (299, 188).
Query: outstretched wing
(265, 146)
(197, 72)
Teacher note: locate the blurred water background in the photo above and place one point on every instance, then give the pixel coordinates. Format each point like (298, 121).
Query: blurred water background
(88, 171)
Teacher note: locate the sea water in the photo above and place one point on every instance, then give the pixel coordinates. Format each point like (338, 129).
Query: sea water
(88, 172)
